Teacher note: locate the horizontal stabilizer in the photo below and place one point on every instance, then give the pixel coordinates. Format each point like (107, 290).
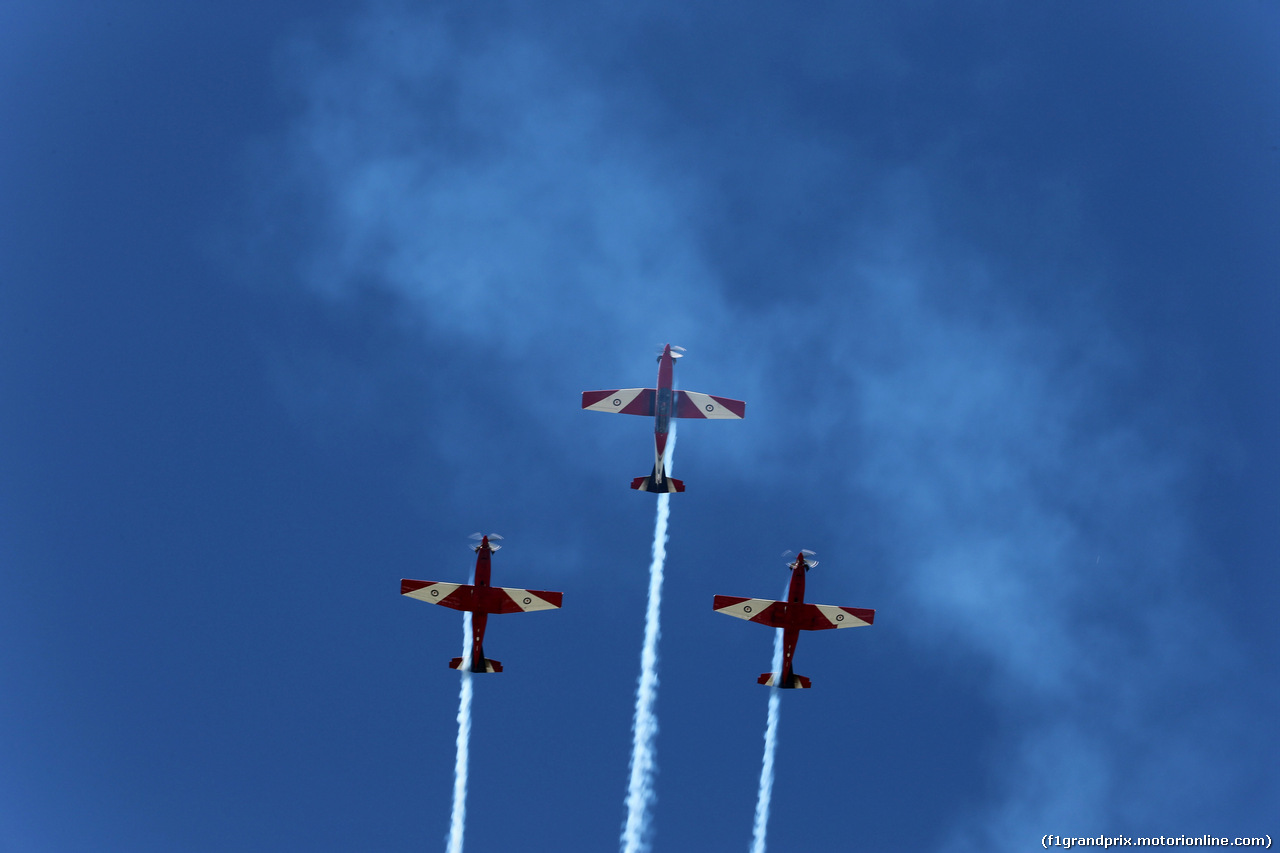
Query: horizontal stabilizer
(650, 484)
(691, 404)
(658, 482)
(622, 401)
(797, 681)
(490, 665)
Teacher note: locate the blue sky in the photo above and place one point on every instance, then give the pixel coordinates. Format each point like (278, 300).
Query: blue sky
(292, 299)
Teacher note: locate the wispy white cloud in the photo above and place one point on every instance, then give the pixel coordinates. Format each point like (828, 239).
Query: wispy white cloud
(1045, 534)
(488, 187)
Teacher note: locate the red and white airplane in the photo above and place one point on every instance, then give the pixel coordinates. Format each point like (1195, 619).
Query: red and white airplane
(481, 599)
(792, 616)
(662, 404)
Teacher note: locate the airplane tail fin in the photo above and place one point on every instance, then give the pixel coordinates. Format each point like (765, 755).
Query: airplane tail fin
(490, 665)
(768, 680)
(658, 481)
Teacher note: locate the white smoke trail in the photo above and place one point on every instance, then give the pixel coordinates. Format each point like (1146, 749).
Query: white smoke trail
(458, 819)
(644, 727)
(770, 747)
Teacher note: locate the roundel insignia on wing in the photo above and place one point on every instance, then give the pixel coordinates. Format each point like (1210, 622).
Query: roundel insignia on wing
(839, 617)
(746, 608)
(528, 600)
(709, 407)
(617, 401)
(435, 593)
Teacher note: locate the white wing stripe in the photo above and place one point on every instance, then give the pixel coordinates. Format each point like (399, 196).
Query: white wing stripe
(527, 601)
(839, 617)
(617, 401)
(708, 407)
(749, 609)
(434, 593)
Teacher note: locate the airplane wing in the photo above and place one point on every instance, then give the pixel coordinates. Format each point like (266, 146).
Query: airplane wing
(456, 595)
(780, 614)
(816, 617)
(762, 610)
(626, 401)
(524, 600)
(498, 599)
(691, 404)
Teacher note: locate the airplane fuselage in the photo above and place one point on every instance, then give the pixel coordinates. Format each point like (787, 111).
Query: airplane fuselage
(791, 632)
(663, 405)
(479, 616)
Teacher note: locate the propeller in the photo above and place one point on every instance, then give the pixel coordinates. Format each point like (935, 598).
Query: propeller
(492, 537)
(676, 352)
(808, 557)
